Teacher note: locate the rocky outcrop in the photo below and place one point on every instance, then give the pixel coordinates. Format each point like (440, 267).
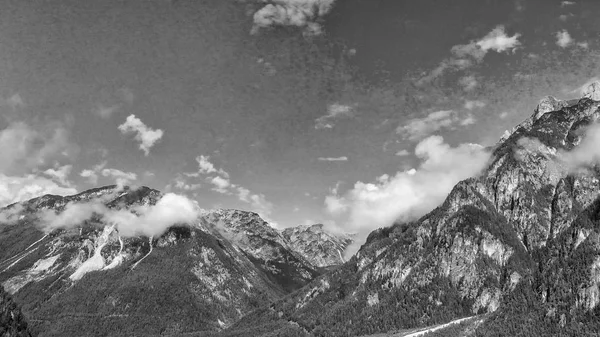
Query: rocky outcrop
(528, 226)
(91, 280)
(592, 91)
(12, 321)
(320, 247)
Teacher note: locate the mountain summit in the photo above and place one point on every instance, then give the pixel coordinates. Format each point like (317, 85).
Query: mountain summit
(81, 265)
(519, 244)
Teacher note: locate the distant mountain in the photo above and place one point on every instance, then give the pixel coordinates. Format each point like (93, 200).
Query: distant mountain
(518, 247)
(89, 279)
(322, 248)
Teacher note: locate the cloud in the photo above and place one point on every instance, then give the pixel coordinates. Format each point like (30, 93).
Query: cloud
(567, 3)
(402, 153)
(14, 189)
(221, 184)
(92, 174)
(60, 174)
(298, 13)
(24, 147)
(419, 128)
(408, 194)
(344, 158)
(220, 179)
(563, 39)
(587, 88)
(470, 105)
(145, 135)
(152, 221)
(15, 101)
(105, 112)
(206, 167)
(181, 184)
(467, 55)
(468, 82)
(121, 178)
(334, 111)
(584, 45)
(258, 201)
(586, 153)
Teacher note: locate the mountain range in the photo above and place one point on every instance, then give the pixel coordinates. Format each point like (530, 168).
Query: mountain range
(515, 251)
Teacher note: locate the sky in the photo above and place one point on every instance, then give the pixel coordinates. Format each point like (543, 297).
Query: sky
(351, 113)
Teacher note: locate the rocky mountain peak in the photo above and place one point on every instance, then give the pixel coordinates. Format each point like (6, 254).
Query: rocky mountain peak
(593, 91)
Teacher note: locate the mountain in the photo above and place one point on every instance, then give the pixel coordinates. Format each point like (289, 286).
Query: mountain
(92, 278)
(320, 247)
(263, 245)
(12, 321)
(517, 246)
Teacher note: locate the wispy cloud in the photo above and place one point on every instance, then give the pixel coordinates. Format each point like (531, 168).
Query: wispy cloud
(567, 3)
(470, 105)
(466, 55)
(146, 136)
(60, 174)
(344, 158)
(221, 183)
(334, 112)
(419, 128)
(468, 83)
(105, 112)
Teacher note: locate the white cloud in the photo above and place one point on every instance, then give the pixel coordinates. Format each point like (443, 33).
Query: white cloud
(419, 128)
(24, 147)
(15, 101)
(105, 112)
(586, 153)
(334, 111)
(219, 178)
(588, 87)
(143, 134)
(466, 55)
(498, 41)
(14, 189)
(563, 39)
(121, 178)
(408, 194)
(152, 221)
(92, 174)
(206, 167)
(402, 153)
(344, 158)
(567, 3)
(470, 105)
(584, 45)
(181, 184)
(221, 184)
(468, 82)
(298, 13)
(60, 174)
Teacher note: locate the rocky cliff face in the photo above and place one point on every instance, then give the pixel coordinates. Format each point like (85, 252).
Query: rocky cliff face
(520, 241)
(12, 321)
(90, 279)
(264, 245)
(320, 247)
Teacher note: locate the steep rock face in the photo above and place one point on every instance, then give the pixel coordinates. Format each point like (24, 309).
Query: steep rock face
(90, 280)
(12, 321)
(263, 244)
(524, 234)
(319, 246)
